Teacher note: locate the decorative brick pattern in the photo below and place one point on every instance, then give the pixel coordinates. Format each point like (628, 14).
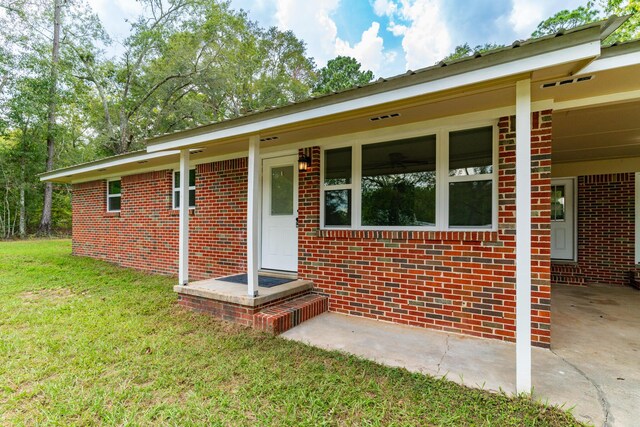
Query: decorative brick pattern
(606, 210)
(282, 317)
(452, 281)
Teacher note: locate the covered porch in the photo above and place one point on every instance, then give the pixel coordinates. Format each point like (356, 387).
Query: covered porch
(592, 366)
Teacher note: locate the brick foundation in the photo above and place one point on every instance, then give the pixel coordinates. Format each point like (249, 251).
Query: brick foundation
(282, 317)
(275, 317)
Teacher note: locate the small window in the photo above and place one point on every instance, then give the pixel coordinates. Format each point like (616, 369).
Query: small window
(338, 187)
(114, 196)
(192, 189)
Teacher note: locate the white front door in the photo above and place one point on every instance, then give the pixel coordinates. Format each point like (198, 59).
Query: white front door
(562, 219)
(279, 213)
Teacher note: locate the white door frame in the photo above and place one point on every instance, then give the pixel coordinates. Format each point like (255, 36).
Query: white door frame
(274, 156)
(574, 205)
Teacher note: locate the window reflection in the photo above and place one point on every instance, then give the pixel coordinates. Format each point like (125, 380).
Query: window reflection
(398, 182)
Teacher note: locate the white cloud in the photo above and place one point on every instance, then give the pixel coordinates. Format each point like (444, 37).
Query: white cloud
(369, 51)
(397, 29)
(426, 37)
(525, 15)
(311, 23)
(384, 7)
(115, 13)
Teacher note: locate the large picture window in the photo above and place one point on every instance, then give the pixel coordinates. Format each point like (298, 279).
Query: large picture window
(399, 183)
(114, 195)
(192, 189)
(442, 180)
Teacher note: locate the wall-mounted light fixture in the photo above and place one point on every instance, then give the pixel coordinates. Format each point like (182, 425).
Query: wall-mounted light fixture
(304, 161)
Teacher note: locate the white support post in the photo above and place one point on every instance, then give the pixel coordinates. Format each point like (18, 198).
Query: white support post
(253, 214)
(523, 236)
(183, 247)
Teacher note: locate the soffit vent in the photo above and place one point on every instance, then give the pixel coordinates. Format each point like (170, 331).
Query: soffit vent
(384, 117)
(565, 82)
(268, 138)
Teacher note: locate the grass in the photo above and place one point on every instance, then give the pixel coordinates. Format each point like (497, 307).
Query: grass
(83, 342)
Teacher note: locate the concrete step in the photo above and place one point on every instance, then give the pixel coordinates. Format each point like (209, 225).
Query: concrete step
(286, 315)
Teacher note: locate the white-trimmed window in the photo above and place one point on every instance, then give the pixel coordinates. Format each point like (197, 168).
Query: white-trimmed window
(470, 178)
(441, 180)
(192, 189)
(114, 195)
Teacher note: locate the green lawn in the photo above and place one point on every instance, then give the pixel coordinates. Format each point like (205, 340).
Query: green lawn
(83, 342)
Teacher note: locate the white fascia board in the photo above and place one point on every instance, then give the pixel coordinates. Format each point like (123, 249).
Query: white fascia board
(103, 165)
(561, 56)
(611, 62)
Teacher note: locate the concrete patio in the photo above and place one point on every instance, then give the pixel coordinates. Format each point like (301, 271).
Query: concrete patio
(592, 367)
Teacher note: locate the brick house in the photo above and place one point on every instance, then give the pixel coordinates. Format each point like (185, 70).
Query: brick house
(451, 198)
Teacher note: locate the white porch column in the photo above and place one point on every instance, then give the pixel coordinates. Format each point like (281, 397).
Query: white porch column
(253, 214)
(523, 236)
(183, 251)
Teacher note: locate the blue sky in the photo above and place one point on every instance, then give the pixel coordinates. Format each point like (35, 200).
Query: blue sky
(386, 36)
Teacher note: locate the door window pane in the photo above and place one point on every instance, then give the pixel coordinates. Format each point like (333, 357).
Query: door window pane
(282, 190)
(337, 207)
(337, 166)
(557, 203)
(399, 182)
(471, 152)
(470, 204)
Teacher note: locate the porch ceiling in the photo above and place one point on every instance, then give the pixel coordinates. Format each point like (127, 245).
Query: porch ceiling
(596, 133)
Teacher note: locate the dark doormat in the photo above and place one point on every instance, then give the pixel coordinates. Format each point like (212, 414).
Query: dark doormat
(263, 281)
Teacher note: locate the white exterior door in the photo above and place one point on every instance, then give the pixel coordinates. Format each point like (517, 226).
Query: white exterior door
(562, 219)
(279, 213)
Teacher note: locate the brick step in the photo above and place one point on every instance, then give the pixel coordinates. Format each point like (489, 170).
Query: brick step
(566, 274)
(286, 315)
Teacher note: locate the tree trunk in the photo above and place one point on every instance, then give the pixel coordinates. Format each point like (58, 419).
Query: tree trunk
(22, 224)
(45, 221)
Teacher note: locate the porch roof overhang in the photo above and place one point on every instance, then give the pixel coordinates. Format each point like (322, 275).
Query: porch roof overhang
(482, 83)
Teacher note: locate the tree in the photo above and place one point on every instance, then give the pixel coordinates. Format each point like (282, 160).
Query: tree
(45, 221)
(340, 73)
(465, 50)
(188, 62)
(566, 19)
(630, 30)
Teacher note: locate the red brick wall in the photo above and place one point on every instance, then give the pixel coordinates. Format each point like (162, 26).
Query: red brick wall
(453, 281)
(606, 240)
(144, 234)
